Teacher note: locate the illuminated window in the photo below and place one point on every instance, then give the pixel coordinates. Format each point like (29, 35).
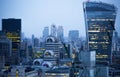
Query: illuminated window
(92, 19)
(17, 73)
(93, 37)
(93, 31)
(95, 47)
(101, 56)
(48, 54)
(104, 46)
(93, 42)
(111, 19)
(101, 19)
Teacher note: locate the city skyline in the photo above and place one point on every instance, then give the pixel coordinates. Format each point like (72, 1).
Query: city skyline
(35, 15)
(59, 38)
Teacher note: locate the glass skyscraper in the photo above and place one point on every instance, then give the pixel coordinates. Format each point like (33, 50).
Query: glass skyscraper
(99, 21)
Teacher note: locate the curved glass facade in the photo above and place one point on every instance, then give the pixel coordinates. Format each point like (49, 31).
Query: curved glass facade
(99, 21)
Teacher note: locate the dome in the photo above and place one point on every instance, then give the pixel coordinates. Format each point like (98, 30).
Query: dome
(47, 64)
(49, 53)
(51, 39)
(37, 61)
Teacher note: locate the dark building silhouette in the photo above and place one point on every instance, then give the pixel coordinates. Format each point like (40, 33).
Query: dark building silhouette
(5, 50)
(12, 28)
(99, 21)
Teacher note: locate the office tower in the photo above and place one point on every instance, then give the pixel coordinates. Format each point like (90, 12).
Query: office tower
(73, 35)
(45, 32)
(53, 30)
(5, 49)
(60, 33)
(99, 22)
(12, 28)
(36, 42)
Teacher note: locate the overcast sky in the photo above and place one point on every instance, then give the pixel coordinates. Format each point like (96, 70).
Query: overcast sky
(36, 14)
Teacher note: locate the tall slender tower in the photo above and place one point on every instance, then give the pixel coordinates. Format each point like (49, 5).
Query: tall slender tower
(60, 33)
(99, 22)
(53, 30)
(45, 32)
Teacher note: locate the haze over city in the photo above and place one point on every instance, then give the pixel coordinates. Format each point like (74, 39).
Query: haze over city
(59, 38)
(36, 14)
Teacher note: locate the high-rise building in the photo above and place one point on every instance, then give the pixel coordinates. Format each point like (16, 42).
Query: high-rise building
(73, 35)
(5, 49)
(99, 21)
(60, 33)
(45, 32)
(36, 42)
(12, 28)
(53, 30)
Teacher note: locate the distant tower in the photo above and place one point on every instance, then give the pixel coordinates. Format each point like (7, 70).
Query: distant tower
(60, 33)
(73, 35)
(45, 32)
(99, 21)
(12, 28)
(53, 30)
(33, 37)
(36, 42)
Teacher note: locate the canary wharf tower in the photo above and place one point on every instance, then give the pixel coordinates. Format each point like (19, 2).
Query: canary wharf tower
(99, 22)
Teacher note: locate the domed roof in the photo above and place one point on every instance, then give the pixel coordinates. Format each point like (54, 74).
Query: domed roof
(48, 53)
(37, 61)
(47, 64)
(51, 39)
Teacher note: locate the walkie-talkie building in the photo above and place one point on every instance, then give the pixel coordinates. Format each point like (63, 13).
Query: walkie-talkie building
(99, 20)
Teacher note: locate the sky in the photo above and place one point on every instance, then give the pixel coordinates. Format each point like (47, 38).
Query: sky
(37, 14)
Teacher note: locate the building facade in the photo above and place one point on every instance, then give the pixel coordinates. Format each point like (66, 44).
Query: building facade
(53, 30)
(5, 50)
(99, 21)
(12, 28)
(45, 32)
(60, 33)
